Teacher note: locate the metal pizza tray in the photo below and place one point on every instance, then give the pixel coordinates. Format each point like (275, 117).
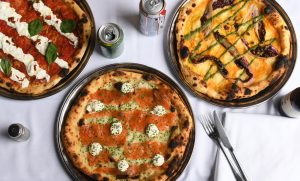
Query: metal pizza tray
(261, 97)
(73, 74)
(76, 91)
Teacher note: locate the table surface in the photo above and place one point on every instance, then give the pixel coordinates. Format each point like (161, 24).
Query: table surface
(37, 158)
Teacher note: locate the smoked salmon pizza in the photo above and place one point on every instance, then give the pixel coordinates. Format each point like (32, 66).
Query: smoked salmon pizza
(232, 49)
(128, 125)
(41, 42)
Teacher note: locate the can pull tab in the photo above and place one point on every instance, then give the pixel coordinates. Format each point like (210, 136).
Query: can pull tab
(153, 3)
(110, 34)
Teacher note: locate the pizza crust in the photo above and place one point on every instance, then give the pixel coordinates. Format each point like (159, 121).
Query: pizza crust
(218, 87)
(176, 149)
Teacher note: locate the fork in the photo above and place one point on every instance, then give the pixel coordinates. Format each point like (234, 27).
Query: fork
(211, 131)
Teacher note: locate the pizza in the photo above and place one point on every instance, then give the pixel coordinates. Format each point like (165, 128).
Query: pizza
(41, 42)
(231, 49)
(127, 125)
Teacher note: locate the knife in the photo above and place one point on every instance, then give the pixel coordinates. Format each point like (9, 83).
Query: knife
(221, 132)
(224, 139)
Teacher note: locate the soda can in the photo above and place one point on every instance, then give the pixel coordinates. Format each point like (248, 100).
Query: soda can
(110, 38)
(152, 16)
(18, 132)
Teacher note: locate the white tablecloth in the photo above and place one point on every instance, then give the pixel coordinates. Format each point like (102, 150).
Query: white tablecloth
(36, 159)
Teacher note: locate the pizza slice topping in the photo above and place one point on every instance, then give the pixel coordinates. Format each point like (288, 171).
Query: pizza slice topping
(127, 88)
(95, 149)
(51, 19)
(32, 67)
(116, 128)
(95, 106)
(221, 3)
(158, 160)
(123, 165)
(5, 66)
(159, 110)
(152, 131)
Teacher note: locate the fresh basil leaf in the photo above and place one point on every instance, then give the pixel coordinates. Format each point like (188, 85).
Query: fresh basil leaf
(51, 53)
(67, 26)
(5, 66)
(35, 27)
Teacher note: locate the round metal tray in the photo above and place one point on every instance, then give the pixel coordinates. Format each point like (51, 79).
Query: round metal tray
(73, 74)
(262, 96)
(75, 92)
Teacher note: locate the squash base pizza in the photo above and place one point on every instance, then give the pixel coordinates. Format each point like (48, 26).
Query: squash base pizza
(231, 49)
(41, 42)
(128, 125)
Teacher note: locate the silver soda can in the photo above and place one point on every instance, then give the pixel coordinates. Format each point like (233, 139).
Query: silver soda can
(152, 16)
(18, 132)
(110, 38)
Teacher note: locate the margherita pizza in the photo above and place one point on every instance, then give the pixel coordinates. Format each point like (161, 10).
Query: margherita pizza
(231, 49)
(41, 41)
(126, 125)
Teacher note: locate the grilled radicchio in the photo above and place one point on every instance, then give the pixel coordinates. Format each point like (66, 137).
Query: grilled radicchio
(221, 3)
(265, 51)
(240, 62)
(220, 65)
(206, 19)
(261, 51)
(226, 44)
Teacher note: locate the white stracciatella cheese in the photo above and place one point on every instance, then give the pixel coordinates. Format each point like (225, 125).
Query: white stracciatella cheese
(127, 88)
(123, 165)
(158, 160)
(116, 128)
(95, 106)
(95, 149)
(152, 130)
(159, 110)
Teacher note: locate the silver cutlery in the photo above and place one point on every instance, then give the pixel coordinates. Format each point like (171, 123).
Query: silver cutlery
(214, 129)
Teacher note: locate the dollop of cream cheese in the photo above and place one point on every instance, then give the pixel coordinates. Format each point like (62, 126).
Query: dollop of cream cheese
(158, 160)
(95, 149)
(127, 88)
(95, 106)
(123, 165)
(116, 128)
(159, 110)
(152, 130)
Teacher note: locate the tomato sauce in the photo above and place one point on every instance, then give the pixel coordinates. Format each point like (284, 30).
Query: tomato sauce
(15, 63)
(161, 97)
(113, 97)
(162, 122)
(144, 98)
(144, 150)
(135, 120)
(107, 170)
(61, 9)
(103, 157)
(101, 133)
